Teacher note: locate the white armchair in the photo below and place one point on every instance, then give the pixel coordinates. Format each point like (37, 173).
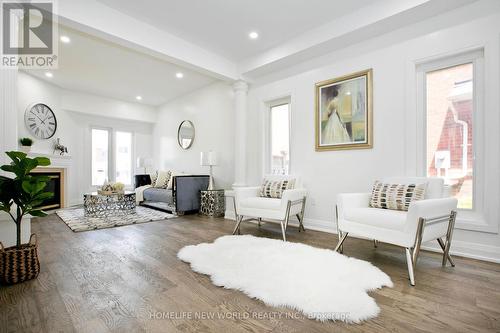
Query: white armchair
(249, 204)
(426, 220)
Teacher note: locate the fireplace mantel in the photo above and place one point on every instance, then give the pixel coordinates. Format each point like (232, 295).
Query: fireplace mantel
(57, 161)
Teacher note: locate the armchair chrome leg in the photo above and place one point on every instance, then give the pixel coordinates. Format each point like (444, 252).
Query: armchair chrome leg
(409, 262)
(341, 241)
(237, 227)
(449, 235)
(284, 224)
(341, 248)
(375, 243)
(443, 247)
(339, 233)
(287, 214)
(283, 230)
(418, 240)
(300, 216)
(300, 223)
(259, 221)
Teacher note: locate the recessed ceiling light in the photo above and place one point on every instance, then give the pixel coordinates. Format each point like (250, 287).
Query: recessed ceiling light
(65, 39)
(179, 75)
(49, 74)
(253, 35)
(139, 98)
(348, 93)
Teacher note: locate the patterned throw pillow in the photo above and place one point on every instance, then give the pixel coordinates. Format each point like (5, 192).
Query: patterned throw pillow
(396, 196)
(162, 180)
(275, 188)
(154, 177)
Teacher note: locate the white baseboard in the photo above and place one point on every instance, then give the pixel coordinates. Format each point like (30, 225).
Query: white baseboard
(469, 250)
(75, 202)
(458, 248)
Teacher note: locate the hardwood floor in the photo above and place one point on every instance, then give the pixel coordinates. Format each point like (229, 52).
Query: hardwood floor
(128, 279)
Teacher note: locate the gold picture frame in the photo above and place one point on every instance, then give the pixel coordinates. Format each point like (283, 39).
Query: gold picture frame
(344, 112)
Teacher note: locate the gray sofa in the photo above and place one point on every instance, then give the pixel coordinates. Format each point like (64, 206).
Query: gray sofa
(183, 198)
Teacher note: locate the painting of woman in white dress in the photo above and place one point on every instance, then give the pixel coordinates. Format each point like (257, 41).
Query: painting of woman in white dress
(343, 112)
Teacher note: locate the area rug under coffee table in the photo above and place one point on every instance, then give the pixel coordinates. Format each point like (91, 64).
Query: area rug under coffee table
(77, 221)
(323, 284)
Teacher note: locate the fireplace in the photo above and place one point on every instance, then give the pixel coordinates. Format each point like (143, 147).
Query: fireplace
(55, 185)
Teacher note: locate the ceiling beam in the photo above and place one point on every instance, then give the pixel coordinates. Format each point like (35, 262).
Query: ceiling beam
(368, 22)
(97, 19)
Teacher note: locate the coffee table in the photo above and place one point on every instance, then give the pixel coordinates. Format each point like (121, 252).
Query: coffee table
(100, 205)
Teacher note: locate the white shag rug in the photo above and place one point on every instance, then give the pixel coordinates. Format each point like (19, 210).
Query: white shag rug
(323, 284)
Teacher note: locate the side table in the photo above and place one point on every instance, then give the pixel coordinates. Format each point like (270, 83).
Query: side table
(212, 203)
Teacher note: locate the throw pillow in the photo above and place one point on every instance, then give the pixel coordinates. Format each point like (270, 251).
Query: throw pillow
(275, 188)
(396, 196)
(154, 177)
(162, 180)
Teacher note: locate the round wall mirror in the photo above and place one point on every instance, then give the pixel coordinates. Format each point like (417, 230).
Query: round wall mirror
(185, 134)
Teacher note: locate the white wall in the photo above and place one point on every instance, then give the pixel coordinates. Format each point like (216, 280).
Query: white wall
(76, 113)
(325, 174)
(94, 105)
(211, 111)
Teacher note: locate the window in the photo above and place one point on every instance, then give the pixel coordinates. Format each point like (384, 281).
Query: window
(123, 157)
(100, 156)
(112, 164)
(450, 113)
(280, 138)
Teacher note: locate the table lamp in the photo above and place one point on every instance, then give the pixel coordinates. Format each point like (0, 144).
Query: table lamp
(209, 159)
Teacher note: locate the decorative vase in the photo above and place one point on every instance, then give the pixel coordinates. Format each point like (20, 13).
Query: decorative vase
(19, 264)
(26, 149)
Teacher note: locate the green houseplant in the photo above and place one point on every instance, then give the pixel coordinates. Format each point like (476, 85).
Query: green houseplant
(26, 144)
(18, 197)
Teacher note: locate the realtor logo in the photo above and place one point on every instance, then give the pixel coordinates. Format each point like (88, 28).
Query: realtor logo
(29, 34)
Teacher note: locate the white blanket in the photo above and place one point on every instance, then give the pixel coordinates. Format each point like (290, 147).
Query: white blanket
(139, 193)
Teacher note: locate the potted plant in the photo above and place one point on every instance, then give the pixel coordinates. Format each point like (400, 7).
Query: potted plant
(26, 144)
(18, 197)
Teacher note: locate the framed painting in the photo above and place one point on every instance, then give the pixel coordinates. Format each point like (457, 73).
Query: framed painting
(344, 112)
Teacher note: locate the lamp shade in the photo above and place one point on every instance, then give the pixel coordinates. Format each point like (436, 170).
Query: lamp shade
(140, 162)
(148, 162)
(208, 158)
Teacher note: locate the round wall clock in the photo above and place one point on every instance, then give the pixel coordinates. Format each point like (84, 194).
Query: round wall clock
(40, 120)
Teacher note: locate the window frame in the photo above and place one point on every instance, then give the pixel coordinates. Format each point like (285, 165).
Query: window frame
(268, 132)
(475, 215)
(132, 155)
(110, 146)
(112, 154)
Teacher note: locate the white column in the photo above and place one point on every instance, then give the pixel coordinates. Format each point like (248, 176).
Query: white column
(8, 112)
(8, 141)
(8, 104)
(240, 133)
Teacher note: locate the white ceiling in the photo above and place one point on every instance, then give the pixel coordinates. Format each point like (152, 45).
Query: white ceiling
(99, 67)
(222, 26)
(142, 44)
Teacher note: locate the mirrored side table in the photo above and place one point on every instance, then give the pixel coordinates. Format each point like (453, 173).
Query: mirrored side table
(213, 203)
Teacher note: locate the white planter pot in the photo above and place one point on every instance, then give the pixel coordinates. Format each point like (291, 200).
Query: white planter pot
(26, 149)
